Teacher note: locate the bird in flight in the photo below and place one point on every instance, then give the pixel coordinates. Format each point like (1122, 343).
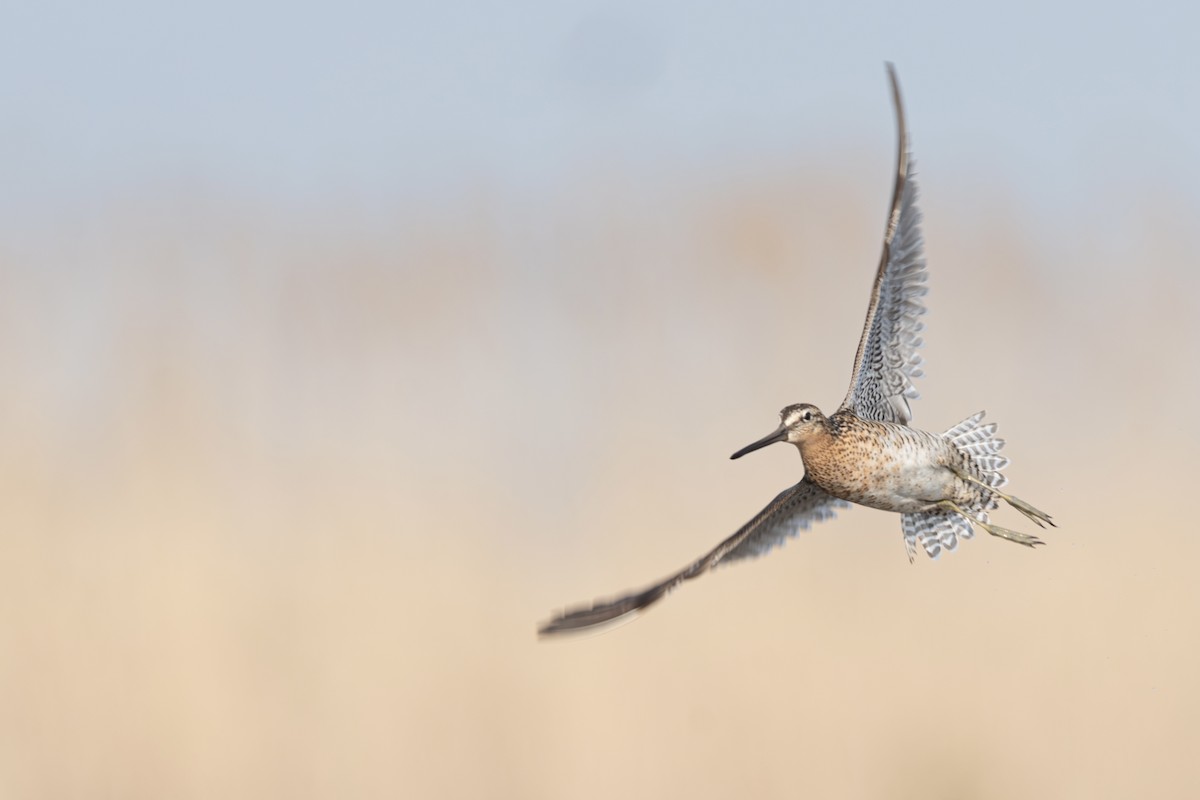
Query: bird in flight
(942, 484)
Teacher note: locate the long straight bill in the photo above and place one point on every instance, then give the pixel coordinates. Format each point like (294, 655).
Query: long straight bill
(778, 436)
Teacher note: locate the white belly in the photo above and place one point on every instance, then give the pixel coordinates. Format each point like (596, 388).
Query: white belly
(908, 488)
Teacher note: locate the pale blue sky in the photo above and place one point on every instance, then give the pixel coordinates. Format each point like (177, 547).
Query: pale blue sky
(293, 101)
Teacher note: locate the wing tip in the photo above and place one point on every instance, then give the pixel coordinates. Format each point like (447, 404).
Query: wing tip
(603, 613)
(584, 619)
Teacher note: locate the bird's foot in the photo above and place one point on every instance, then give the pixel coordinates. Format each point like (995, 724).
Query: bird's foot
(1039, 518)
(1025, 508)
(995, 530)
(1013, 536)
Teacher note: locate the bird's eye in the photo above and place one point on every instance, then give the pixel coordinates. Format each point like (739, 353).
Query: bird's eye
(806, 416)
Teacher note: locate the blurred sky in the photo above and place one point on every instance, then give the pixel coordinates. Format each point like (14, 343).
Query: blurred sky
(130, 126)
(298, 102)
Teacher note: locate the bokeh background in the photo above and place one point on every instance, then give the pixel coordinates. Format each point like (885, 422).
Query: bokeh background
(341, 344)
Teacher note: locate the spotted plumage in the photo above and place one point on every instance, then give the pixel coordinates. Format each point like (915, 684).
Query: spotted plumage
(865, 453)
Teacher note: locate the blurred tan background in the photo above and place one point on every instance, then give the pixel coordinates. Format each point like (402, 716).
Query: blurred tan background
(291, 471)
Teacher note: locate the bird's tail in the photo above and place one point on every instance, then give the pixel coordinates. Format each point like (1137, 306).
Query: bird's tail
(940, 530)
(933, 531)
(981, 444)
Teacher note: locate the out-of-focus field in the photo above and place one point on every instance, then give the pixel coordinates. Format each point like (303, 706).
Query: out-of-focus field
(285, 493)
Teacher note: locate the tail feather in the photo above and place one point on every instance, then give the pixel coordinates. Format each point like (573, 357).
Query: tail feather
(940, 531)
(966, 425)
(934, 531)
(983, 446)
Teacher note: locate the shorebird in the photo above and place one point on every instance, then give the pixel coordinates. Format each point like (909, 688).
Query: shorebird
(942, 484)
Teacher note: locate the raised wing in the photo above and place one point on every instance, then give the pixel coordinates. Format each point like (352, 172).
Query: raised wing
(794, 510)
(887, 363)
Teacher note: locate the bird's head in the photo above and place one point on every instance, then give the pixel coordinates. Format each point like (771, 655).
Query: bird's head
(797, 423)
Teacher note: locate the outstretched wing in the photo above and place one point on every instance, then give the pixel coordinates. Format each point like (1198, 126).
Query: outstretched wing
(887, 362)
(795, 509)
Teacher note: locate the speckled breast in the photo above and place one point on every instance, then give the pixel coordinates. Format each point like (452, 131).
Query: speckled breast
(884, 466)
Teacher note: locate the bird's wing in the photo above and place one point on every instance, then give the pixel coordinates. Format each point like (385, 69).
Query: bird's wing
(795, 509)
(887, 362)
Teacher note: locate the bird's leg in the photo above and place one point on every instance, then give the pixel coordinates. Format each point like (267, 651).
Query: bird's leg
(994, 530)
(1037, 516)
